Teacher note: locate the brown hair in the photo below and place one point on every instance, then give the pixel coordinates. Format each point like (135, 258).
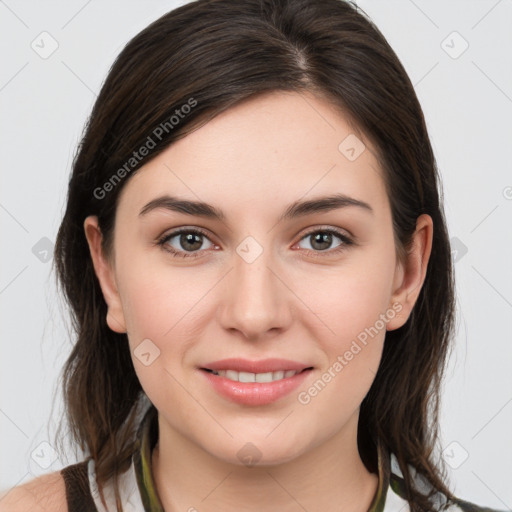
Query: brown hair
(212, 55)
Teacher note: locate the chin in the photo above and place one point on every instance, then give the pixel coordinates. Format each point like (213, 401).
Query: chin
(258, 452)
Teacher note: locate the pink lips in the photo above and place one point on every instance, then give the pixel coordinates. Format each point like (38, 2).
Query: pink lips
(255, 393)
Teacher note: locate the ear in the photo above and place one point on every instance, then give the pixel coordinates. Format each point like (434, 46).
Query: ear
(410, 275)
(105, 274)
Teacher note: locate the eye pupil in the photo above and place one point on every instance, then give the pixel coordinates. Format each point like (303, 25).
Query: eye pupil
(191, 238)
(322, 238)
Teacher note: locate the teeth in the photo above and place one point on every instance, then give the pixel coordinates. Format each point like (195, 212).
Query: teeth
(255, 377)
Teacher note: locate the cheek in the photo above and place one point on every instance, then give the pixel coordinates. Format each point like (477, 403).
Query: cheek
(157, 306)
(161, 311)
(348, 299)
(164, 304)
(352, 302)
(353, 305)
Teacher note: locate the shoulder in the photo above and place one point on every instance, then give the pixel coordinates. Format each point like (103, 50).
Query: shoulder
(397, 501)
(466, 506)
(46, 492)
(439, 500)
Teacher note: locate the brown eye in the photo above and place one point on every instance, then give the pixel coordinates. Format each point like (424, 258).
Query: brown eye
(187, 241)
(321, 240)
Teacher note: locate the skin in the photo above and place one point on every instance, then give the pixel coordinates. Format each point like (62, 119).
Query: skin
(265, 153)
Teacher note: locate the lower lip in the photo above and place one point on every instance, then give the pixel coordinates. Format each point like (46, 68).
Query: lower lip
(255, 393)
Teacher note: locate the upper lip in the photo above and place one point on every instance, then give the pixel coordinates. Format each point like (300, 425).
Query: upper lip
(262, 366)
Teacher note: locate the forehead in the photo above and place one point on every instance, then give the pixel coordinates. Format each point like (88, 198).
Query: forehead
(269, 150)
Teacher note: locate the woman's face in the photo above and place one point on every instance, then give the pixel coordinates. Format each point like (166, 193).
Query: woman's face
(318, 287)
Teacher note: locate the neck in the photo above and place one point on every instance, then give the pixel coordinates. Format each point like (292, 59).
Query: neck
(328, 477)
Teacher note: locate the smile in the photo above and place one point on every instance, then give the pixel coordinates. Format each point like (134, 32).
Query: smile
(255, 389)
(254, 377)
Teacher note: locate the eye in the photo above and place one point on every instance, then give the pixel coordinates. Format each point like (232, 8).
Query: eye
(322, 240)
(187, 244)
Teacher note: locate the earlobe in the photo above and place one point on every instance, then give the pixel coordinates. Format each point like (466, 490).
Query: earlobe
(410, 275)
(105, 274)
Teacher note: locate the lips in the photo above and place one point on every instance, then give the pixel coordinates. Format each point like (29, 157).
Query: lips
(254, 393)
(255, 383)
(263, 366)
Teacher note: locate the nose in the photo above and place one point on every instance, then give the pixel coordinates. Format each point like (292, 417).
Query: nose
(255, 299)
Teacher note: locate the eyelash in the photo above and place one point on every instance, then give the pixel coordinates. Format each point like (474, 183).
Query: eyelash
(182, 254)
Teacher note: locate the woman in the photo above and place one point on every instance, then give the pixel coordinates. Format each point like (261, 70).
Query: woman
(259, 270)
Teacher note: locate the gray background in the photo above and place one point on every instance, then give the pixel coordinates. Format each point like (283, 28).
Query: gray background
(467, 100)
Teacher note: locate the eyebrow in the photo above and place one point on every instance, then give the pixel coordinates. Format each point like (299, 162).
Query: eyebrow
(295, 210)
